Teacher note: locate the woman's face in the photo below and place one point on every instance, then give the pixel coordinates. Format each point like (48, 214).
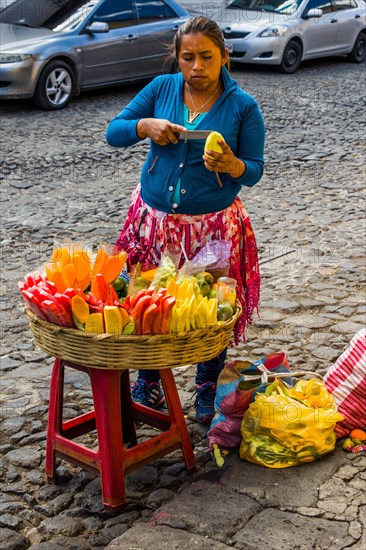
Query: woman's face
(200, 61)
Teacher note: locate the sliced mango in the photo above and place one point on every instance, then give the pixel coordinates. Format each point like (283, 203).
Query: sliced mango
(81, 262)
(94, 323)
(100, 259)
(61, 255)
(113, 266)
(69, 275)
(125, 318)
(59, 280)
(80, 309)
(112, 320)
(183, 317)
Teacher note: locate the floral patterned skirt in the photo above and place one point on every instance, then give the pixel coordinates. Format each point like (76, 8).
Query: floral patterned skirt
(149, 233)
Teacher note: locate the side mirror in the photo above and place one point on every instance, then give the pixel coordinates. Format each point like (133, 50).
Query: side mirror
(97, 27)
(313, 13)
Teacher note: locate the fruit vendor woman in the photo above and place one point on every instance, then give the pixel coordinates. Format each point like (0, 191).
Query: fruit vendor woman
(187, 197)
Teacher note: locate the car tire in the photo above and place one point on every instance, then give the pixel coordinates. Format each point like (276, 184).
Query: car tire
(291, 59)
(358, 53)
(55, 86)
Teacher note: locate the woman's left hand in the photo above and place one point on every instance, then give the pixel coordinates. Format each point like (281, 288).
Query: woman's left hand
(224, 162)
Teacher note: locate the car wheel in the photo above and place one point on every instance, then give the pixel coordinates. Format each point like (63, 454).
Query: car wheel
(291, 58)
(55, 86)
(358, 52)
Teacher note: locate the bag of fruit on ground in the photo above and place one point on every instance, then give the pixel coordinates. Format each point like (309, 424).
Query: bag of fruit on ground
(288, 426)
(237, 385)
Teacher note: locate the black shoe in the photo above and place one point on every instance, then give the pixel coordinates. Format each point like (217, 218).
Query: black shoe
(205, 397)
(148, 394)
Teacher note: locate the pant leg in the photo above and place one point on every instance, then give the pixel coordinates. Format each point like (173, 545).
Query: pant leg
(208, 371)
(148, 375)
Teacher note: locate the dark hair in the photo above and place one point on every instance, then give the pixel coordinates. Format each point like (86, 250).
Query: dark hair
(203, 25)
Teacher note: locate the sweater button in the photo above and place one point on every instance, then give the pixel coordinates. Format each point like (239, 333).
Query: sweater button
(181, 165)
(174, 205)
(171, 188)
(182, 191)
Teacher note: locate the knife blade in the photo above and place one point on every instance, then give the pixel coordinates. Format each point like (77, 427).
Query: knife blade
(194, 134)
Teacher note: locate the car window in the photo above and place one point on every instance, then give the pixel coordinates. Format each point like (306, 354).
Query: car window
(116, 13)
(76, 18)
(324, 5)
(344, 4)
(150, 10)
(279, 6)
(43, 13)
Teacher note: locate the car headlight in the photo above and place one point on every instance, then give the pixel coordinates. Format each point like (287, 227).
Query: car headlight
(13, 57)
(276, 30)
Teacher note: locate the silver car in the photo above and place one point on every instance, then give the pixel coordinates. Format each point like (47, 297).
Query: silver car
(286, 32)
(50, 50)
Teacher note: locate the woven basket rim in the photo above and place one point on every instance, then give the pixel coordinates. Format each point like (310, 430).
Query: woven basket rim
(135, 338)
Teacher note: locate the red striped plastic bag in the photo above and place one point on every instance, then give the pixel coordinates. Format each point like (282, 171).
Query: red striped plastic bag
(346, 381)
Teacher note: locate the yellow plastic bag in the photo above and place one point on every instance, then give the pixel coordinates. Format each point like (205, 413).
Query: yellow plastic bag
(287, 426)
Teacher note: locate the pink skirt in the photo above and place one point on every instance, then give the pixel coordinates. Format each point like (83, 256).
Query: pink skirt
(148, 233)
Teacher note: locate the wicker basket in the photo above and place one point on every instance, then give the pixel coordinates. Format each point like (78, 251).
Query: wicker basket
(107, 351)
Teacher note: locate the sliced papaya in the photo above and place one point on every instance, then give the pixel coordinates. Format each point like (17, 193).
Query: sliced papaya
(148, 319)
(138, 312)
(136, 297)
(156, 329)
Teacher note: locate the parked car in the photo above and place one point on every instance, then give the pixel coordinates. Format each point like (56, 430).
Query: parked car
(51, 50)
(286, 32)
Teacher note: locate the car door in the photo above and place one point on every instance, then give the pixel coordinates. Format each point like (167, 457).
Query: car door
(158, 25)
(111, 56)
(320, 33)
(349, 22)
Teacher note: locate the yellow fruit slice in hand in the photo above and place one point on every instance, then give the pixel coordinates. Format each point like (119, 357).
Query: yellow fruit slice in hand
(211, 143)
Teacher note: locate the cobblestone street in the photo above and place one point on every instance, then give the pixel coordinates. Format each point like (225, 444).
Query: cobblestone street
(62, 181)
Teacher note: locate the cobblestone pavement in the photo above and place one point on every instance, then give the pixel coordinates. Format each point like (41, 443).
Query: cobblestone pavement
(62, 181)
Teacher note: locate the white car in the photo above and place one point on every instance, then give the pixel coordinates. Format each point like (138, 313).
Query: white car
(286, 32)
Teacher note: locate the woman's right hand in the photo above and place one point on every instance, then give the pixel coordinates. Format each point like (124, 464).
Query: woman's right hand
(161, 131)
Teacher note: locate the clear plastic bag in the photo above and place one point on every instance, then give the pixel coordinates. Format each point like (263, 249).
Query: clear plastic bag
(213, 257)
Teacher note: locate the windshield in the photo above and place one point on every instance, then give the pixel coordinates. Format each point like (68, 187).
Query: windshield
(57, 15)
(278, 6)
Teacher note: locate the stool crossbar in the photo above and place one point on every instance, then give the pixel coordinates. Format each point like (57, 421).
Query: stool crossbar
(113, 417)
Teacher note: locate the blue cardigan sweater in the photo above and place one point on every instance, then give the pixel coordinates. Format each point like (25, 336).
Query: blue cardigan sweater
(235, 115)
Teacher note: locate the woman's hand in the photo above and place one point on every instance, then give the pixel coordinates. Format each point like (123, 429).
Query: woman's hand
(161, 131)
(224, 162)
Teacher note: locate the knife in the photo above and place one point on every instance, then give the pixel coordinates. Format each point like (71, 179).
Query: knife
(194, 134)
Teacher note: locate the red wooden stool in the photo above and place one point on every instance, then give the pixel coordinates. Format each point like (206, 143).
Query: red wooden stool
(113, 417)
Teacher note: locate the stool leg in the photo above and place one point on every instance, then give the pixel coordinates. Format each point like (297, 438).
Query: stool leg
(177, 416)
(54, 416)
(128, 424)
(106, 388)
